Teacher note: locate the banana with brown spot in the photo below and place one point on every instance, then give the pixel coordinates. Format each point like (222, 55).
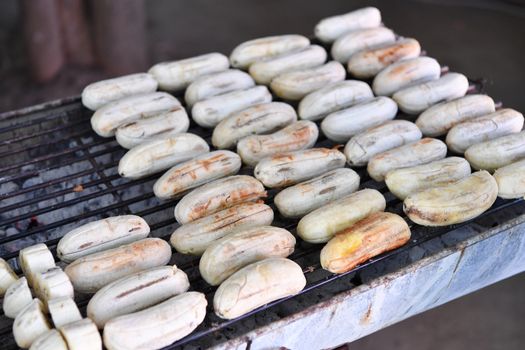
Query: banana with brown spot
(360, 40)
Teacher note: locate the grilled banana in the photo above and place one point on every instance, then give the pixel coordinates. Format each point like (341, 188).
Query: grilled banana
(359, 40)
(453, 203)
(259, 119)
(511, 180)
(17, 297)
(376, 234)
(177, 75)
(34, 259)
(63, 310)
(30, 323)
(218, 195)
(258, 284)
(300, 199)
(92, 272)
(340, 126)
(7, 276)
(496, 153)
(208, 113)
(322, 224)
(50, 340)
(157, 326)
(331, 28)
(157, 155)
(82, 335)
(53, 283)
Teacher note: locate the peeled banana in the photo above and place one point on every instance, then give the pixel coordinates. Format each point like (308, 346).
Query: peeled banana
(359, 40)
(34, 259)
(496, 153)
(53, 283)
(50, 340)
(331, 28)
(7, 276)
(30, 323)
(63, 310)
(511, 180)
(17, 297)
(82, 335)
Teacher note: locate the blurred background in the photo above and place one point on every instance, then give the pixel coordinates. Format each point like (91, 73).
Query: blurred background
(51, 49)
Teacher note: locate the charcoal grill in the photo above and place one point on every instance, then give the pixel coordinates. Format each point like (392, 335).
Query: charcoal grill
(56, 174)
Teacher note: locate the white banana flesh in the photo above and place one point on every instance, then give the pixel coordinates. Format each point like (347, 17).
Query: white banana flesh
(406, 181)
(453, 203)
(331, 28)
(177, 75)
(511, 180)
(166, 124)
(496, 153)
(488, 127)
(256, 285)
(196, 236)
(320, 225)
(198, 171)
(260, 119)
(103, 92)
(415, 99)
(158, 155)
(7, 276)
(100, 235)
(30, 323)
(107, 119)
(331, 98)
(285, 169)
(63, 310)
(34, 259)
(233, 252)
(440, 118)
(365, 145)
(405, 73)
(265, 71)
(17, 297)
(157, 326)
(297, 84)
(51, 340)
(249, 52)
(299, 200)
(92, 272)
(208, 113)
(82, 335)
(297, 136)
(53, 283)
(136, 292)
(340, 126)
(360, 40)
(420, 152)
(217, 84)
(367, 64)
(218, 195)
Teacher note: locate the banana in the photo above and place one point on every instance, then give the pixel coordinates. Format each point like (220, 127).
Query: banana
(453, 203)
(194, 237)
(365, 145)
(157, 326)
(53, 283)
(297, 136)
(322, 224)
(208, 113)
(286, 169)
(420, 152)
(405, 181)
(100, 235)
(307, 57)
(376, 234)
(367, 64)
(177, 75)
(415, 99)
(299, 200)
(359, 40)
(331, 28)
(166, 124)
(333, 97)
(496, 153)
(259, 119)
(511, 180)
(262, 49)
(82, 335)
(136, 292)
(34, 259)
(103, 92)
(217, 84)
(50, 340)
(501, 123)
(30, 323)
(157, 155)
(440, 118)
(195, 172)
(92, 272)
(340, 126)
(17, 297)
(218, 195)
(256, 285)
(63, 310)
(107, 119)
(7, 276)
(297, 84)
(231, 253)
(405, 73)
